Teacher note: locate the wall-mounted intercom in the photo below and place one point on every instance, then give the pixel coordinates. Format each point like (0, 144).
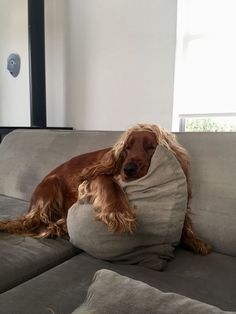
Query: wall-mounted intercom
(13, 64)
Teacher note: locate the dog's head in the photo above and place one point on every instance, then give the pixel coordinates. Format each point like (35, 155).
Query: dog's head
(137, 153)
(135, 148)
(130, 157)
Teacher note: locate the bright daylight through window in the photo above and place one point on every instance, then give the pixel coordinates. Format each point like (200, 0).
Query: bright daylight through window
(205, 78)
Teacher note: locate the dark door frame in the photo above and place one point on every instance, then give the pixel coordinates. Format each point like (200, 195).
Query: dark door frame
(36, 35)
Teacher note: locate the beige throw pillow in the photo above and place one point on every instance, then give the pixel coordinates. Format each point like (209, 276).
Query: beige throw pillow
(160, 199)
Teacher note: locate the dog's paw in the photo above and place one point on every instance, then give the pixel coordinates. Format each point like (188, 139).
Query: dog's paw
(203, 248)
(120, 222)
(198, 246)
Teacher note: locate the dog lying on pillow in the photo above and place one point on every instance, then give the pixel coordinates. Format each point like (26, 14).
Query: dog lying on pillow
(127, 160)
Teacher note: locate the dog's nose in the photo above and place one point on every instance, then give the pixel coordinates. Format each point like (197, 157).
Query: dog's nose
(130, 169)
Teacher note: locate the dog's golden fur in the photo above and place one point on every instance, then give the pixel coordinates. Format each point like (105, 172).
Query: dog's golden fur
(97, 175)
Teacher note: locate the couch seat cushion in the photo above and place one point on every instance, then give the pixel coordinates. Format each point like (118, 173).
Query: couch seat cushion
(12, 207)
(23, 258)
(210, 279)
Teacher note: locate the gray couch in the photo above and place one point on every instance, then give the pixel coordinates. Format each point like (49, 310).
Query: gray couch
(52, 276)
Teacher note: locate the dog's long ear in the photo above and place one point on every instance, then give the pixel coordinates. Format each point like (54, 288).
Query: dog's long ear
(109, 164)
(169, 140)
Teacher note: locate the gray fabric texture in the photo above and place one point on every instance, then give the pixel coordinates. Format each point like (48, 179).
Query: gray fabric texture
(23, 258)
(26, 156)
(116, 294)
(11, 208)
(160, 199)
(213, 158)
(62, 289)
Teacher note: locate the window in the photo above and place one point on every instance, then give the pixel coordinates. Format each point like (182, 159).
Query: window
(205, 79)
(207, 123)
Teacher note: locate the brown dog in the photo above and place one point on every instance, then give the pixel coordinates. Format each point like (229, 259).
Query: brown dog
(97, 175)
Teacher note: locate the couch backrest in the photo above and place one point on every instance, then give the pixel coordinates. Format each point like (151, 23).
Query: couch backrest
(213, 158)
(27, 156)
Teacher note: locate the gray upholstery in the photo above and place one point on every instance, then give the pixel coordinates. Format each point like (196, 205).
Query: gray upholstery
(160, 202)
(113, 293)
(23, 258)
(27, 156)
(209, 279)
(214, 189)
(11, 207)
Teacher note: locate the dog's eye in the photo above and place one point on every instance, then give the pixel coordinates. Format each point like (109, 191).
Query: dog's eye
(127, 147)
(129, 144)
(150, 147)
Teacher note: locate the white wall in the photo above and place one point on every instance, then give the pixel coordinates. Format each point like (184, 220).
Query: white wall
(14, 92)
(110, 63)
(119, 63)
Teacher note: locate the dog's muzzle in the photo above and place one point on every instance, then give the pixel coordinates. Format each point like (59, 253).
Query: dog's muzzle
(131, 169)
